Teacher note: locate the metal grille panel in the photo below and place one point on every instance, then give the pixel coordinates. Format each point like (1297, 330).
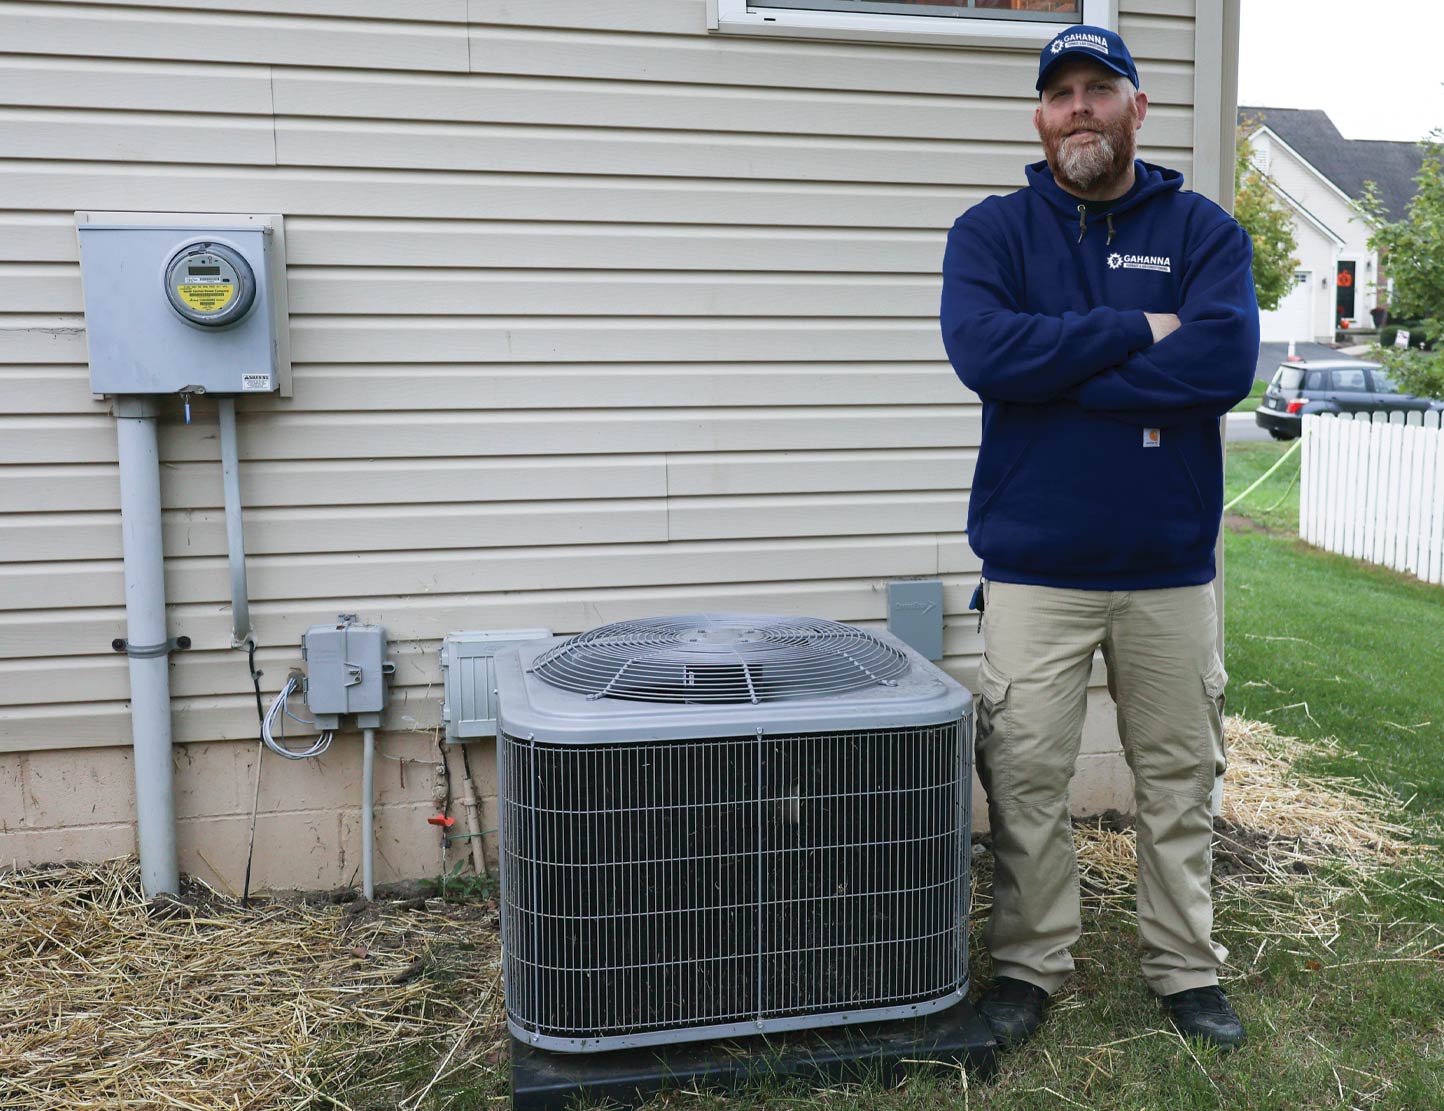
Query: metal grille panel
(710, 657)
(660, 892)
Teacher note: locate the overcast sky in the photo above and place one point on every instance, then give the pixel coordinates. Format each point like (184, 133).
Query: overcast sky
(1375, 66)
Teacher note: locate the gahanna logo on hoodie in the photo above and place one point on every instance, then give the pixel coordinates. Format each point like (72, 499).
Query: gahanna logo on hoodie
(1163, 264)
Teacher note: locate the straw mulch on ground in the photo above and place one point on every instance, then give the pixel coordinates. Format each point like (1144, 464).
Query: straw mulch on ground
(111, 1002)
(1276, 825)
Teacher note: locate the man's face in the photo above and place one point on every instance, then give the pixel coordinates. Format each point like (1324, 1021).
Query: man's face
(1086, 119)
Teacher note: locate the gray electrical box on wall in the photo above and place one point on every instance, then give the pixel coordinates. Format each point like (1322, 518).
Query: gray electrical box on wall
(915, 615)
(344, 668)
(184, 303)
(467, 668)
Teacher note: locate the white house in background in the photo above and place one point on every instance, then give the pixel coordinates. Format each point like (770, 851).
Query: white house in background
(1320, 175)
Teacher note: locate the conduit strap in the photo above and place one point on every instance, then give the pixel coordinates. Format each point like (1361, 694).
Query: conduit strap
(150, 651)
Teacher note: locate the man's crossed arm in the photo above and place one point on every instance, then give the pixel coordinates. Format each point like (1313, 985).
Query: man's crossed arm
(1144, 368)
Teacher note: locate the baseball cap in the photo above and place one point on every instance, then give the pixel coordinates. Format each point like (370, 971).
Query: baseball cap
(1103, 46)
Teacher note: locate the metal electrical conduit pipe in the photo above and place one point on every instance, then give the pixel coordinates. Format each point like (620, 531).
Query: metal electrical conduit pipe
(241, 634)
(147, 646)
(317, 747)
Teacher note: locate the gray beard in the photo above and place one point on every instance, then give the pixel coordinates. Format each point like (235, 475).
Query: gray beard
(1085, 165)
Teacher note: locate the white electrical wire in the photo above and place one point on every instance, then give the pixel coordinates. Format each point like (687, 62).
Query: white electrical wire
(321, 743)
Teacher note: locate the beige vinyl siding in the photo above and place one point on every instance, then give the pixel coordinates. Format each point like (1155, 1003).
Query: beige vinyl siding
(594, 315)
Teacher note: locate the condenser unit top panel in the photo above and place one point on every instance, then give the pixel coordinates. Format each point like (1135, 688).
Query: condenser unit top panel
(721, 657)
(903, 690)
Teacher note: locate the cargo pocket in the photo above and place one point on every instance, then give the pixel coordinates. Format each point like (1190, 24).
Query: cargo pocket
(992, 732)
(1215, 680)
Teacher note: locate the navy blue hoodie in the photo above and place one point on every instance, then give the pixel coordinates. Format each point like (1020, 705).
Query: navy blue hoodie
(1100, 466)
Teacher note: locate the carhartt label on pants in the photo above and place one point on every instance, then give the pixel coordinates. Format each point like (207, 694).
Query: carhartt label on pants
(1151, 437)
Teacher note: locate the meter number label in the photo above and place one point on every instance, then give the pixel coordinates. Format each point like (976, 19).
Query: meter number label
(206, 298)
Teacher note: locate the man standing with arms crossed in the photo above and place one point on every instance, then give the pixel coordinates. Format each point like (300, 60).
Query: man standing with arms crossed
(1107, 319)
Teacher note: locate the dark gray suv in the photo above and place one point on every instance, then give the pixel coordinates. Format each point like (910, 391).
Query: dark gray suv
(1330, 386)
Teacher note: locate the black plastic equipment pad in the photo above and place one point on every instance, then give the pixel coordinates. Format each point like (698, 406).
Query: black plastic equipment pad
(544, 1081)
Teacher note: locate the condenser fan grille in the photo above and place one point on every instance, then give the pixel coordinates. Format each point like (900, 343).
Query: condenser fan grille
(741, 884)
(721, 658)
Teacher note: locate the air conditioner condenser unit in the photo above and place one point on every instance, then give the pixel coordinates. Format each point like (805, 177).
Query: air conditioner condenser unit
(725, 824)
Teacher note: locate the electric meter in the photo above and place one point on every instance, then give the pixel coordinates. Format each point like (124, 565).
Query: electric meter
(185, 303)
(210, 284)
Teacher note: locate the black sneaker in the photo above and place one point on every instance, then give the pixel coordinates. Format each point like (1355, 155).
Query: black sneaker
(1205, 1013)
(1013, 1010)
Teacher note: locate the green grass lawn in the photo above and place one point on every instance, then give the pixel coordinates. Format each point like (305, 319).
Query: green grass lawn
(1361, 645)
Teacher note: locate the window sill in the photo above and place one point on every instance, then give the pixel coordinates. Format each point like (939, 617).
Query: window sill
(731, 17)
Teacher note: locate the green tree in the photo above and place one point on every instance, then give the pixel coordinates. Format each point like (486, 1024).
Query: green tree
(1267, 220)
(1412, 248)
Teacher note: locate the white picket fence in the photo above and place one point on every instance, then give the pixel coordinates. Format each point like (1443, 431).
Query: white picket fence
(1372, 487)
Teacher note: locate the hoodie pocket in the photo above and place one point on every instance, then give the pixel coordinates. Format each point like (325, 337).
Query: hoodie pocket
(1008, 441)
(1088, 497)
(1182, 457)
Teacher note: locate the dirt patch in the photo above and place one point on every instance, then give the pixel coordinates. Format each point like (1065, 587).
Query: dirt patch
(1239, 523)
(1257, 856)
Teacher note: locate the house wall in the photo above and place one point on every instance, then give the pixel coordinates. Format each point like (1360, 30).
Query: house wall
(1331, 208)
(593, 316)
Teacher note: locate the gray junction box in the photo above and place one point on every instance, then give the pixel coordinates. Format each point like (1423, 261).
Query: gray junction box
(186, 305)
(344, 668)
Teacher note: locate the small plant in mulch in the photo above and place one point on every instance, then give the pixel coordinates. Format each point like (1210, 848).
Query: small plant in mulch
(461, 886)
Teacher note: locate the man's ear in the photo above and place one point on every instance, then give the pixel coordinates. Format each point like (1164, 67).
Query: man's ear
(1141, 100)
(1038, 119)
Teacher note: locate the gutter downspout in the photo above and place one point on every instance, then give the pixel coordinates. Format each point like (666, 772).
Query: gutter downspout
(147, 646)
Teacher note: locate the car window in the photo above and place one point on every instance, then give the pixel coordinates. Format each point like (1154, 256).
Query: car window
(1288, 377)
(1382, 382)
(1315, 380)
(1351, 380)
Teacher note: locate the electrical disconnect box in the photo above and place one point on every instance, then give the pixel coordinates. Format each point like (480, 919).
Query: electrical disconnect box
(184, 304)
(468, 708)
(915, 615)
(345, 665)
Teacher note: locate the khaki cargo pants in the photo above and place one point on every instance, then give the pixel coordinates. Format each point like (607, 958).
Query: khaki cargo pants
(1160, 648)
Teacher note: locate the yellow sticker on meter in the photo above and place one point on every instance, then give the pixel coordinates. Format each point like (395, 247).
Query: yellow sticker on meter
(206, 298)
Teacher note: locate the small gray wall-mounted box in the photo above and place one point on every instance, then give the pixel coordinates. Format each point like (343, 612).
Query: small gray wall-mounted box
(468, 708)
(345, 665)
(915, 615)
(184, 303)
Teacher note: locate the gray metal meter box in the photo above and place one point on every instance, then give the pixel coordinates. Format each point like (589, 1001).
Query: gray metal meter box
(345, 665)
(184, 304)
(468, 670)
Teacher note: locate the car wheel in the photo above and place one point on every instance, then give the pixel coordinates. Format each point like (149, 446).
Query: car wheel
(1277, 435)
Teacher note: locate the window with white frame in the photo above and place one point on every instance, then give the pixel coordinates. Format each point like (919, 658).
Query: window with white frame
(980, 22)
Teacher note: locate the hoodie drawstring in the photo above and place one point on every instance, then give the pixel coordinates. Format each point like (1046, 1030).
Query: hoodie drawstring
(1083, 225)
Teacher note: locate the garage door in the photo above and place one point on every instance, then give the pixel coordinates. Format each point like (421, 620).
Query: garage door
(1293, 319)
